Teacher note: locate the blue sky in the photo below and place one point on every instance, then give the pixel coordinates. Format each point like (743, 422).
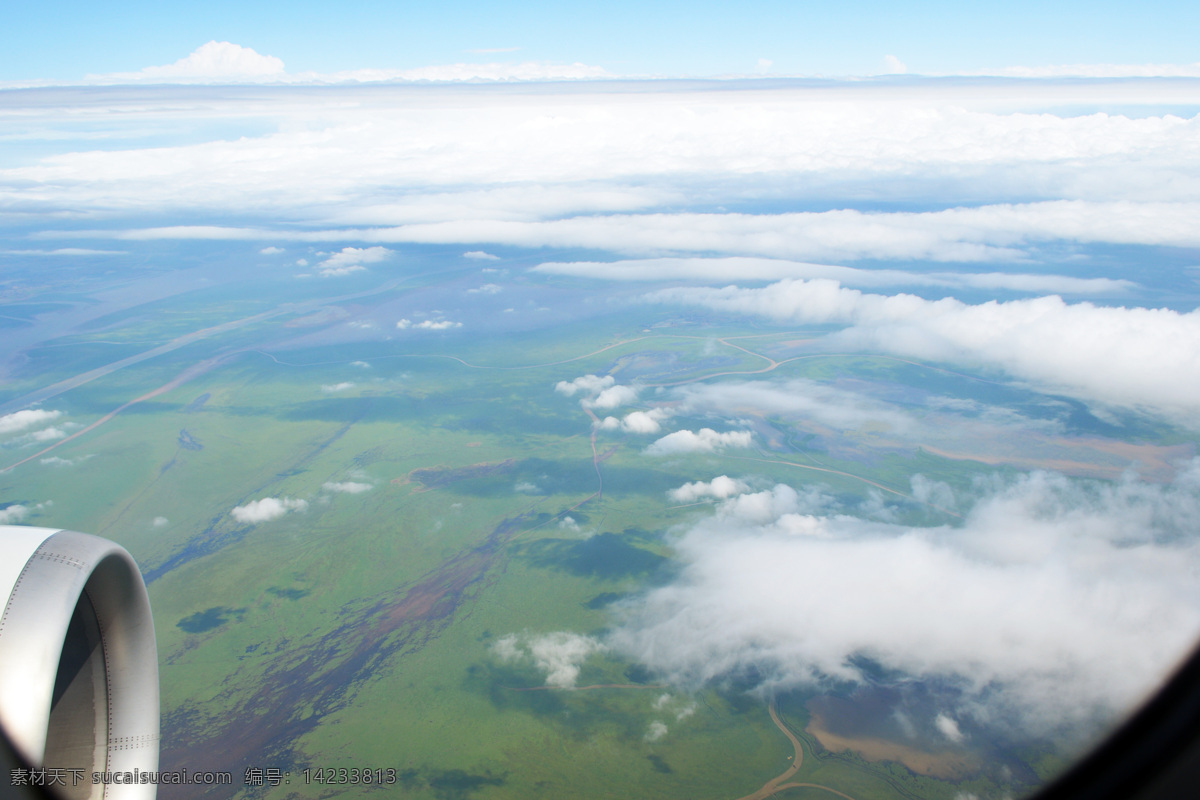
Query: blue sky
(65, 41)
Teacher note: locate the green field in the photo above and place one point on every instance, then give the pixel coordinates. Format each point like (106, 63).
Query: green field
(360, 629)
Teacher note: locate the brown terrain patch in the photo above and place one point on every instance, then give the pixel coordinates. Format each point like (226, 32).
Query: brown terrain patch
(310, 681)
(947, 765)
(1155, 462)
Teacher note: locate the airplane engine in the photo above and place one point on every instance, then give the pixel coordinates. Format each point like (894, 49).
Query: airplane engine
(78, 663)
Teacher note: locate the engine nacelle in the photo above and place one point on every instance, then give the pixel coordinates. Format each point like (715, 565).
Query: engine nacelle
(78, 661)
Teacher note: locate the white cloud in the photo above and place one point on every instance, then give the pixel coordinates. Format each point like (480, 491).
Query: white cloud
(1139, 358)
(706, 440)
(65, 251)
(487, 288)
(739, 268)
(589, 385)
(656, 731)
(521, 71)
(612, 397)
(55, 461)
(13, 514)
(27, 418)
(1097, 71)
(270, 251)
(337, 272)
(346, 487)
(268, 508)
(47, 434)
(801, 399)
(214, 61)
(351, 259)
(720, 487)
(481, 255)
(1055, 600)
(893, 65)
(330, 388)
(948, 728)
(223, 62)
(559, 655)
(645, 421)
(427, 325)
(520, 160)
(160, 522)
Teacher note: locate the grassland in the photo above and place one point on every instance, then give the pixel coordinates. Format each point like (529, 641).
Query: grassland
(450, 498)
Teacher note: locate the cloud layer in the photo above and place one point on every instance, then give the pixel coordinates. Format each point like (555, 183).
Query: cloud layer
(1138, 358)
(1056, 600)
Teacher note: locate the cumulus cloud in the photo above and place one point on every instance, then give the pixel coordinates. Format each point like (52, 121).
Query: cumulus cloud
(337, 272)
(600, 392)
(705, 440)
(480, 255)
(266, 509)
(645, 421)
(13, 514)
(1056, 600)
(160, 522)
(588, 385)
(28, 418)
(330, 388)
(214, 61)
(427, 325)
(614, 397)
(559, 655)
(346, 487)
(46, 434)
(1137, 358)
(720, 488)
(350, 260)
(271, 251)
(655, 731)
(56, 461)
(948, 728)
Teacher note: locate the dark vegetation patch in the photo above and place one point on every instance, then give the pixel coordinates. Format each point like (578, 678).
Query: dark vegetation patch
(189, 442)
(636, 673)
(659, 765)
(358, 409)
(513, 687)
(602, 600)
(288, 594)
(456, 784)
(605, 555)
(206, 620)
(197, 404)
(441, 477)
